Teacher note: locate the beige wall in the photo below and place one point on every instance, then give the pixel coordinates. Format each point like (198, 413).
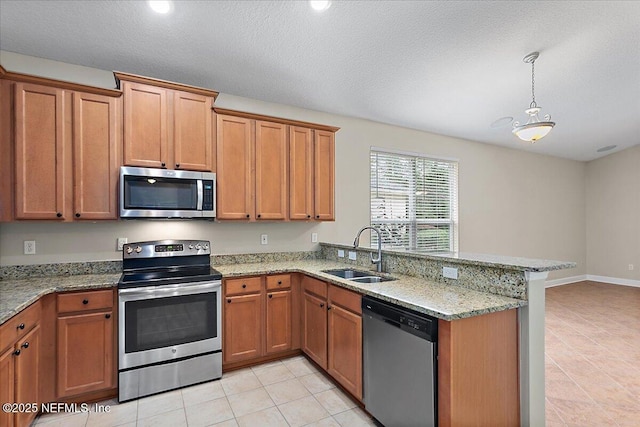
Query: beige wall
(511, 202)
(613, 215)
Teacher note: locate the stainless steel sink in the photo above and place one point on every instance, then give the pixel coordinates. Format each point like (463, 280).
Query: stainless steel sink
(357, 275)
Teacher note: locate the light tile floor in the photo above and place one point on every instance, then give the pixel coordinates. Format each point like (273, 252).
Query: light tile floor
(284, 393)
(592, 355)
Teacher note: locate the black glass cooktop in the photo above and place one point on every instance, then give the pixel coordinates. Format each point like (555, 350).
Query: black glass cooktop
(168, 276)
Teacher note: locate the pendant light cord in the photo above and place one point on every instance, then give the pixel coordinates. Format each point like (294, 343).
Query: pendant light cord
(533, 93)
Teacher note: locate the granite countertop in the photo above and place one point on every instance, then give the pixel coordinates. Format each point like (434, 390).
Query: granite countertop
(437, 299)
(481, 260)
(16, 295)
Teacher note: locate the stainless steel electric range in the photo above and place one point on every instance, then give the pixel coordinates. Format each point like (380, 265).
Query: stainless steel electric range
(169, 320)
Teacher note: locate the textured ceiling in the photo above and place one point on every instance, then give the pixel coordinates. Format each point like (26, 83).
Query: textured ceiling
(449, 67)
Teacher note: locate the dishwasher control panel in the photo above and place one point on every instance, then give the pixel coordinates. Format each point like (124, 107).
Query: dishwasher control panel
(418, 324)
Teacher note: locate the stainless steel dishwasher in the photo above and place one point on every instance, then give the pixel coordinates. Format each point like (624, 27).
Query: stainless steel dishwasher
(400, 368)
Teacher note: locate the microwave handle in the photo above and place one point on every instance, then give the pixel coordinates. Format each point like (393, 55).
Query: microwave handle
(200, 194)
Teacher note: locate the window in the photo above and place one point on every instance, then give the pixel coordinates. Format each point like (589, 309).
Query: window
(414, 201)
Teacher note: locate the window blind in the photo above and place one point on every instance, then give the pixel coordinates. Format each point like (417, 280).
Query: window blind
(414, 202)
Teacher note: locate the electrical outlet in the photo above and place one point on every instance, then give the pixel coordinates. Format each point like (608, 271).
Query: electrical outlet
(314, 237)
(630, 267)
(450, 272)
(120, 243)
(340, 253)
(29, 247)
(264, 239)
(353, 255)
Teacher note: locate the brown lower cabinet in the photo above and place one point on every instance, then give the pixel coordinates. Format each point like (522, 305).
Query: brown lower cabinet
(86, 342)
(258, 317)
(20, 365)
(332, 331)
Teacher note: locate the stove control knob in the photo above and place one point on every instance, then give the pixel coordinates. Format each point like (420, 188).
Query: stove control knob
(206, 247)
(198, 247)
(191, 247)
(138, 249)
(129, 249)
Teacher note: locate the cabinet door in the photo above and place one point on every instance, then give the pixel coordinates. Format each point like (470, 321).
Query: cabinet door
(96, 149)
(7, 385)
(271, 170)
(314, 324)
(300, 173)
(345, 349)
(278, 322)
(234, 168)
(145, 125)
(324, 160)
(242, 328)
(192, 142)
(27, 368)
(85, 353)
(40, 152)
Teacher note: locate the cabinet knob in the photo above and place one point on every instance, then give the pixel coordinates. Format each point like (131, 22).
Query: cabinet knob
(177, 165)
(317, 216)
(279, 282)
(163, 164)
(20, 326)
(59, 215)
(270, 296)
(107, 316)
(229, 301)
(321, 304)
(328, 307)
(25, 345)
(308, 216)
(77, 215)
(248, 216)
(259, 215)
(244, 286)
(85, 301)
(17, 352)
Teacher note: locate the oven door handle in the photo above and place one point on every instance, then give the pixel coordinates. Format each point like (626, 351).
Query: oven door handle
(169, 290)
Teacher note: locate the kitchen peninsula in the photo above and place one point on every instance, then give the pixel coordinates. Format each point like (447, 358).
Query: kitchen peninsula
(485, 285)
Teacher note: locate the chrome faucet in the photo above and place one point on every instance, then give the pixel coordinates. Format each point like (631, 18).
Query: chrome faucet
(377, 260)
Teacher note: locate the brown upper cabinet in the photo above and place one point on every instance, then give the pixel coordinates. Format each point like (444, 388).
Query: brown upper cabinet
(273, 169)
(167, 125)
(66, 146)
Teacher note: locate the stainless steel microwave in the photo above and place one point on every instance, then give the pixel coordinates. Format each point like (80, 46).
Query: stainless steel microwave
(162, 193)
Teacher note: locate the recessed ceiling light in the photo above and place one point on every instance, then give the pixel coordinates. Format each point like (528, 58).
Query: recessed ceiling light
(502, 122)
(160, 6)
(607, 148)
(320, 5)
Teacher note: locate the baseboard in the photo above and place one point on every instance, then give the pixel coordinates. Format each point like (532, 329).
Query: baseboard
(565, 281)
(593, 278)
(614, 280)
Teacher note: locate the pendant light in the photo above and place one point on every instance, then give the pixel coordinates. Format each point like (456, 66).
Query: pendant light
(534, 129)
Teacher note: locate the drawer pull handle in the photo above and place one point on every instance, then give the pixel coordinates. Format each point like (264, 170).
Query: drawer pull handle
(279, 282)
(321, 304)
(244, 286)
(229, 301)
(17, 352)
(107, 316)
(25, 345)
(85, 301)
(20, 326)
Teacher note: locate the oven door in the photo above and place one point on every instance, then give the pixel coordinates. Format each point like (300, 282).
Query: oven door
(163, 323)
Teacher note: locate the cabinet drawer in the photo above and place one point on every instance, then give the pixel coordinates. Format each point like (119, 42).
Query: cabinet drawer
(85, 301)
(351, 301)
(279, 281)
(18, 326)
(249, 285)
(314, 286)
